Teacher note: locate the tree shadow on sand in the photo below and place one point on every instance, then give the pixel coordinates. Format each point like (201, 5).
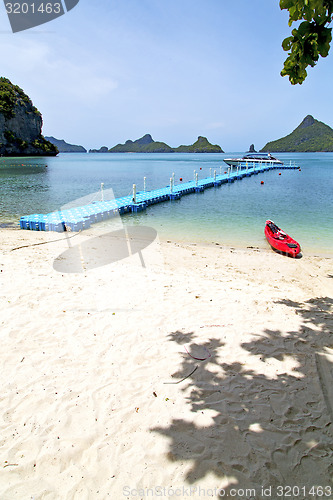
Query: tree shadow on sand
(263, 430)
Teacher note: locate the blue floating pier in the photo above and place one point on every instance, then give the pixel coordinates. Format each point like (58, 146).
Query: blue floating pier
(80, 218)
(138, 207)
(175, 196)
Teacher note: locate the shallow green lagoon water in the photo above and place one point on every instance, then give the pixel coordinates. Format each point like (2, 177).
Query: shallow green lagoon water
(301, 202)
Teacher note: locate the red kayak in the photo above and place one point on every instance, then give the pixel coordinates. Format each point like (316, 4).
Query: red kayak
(280, 241)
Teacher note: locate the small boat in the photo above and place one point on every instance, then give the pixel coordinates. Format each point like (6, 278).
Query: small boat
(251, 158)
(280, 241)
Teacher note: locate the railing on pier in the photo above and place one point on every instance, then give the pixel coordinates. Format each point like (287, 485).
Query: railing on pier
(80, 218)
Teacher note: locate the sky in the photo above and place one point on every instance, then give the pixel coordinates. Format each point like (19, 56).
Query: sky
(112, 70)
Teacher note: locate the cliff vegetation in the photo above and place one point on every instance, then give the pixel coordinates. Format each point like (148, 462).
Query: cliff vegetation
(21, 124)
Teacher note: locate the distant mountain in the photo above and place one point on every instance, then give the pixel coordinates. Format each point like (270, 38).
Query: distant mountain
(64, 147)
(146, 144)
(202, 145)
(103, 149)
(310, 135)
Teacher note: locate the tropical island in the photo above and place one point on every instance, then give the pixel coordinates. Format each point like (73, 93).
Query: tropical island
(103, 149)
(202, 145)
(146, 144)
(21, 134)
(21, 124)
(310, 136)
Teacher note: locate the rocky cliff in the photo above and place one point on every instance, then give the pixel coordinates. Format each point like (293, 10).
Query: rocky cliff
(20, 124)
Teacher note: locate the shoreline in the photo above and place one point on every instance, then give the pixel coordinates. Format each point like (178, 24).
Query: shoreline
(185, 366)
(163, 238)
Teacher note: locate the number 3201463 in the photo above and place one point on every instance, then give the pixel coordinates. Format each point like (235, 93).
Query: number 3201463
(32, 8)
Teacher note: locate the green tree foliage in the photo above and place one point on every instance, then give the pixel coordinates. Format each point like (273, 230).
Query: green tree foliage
(310, 40)
(9, 96)
(45, 146)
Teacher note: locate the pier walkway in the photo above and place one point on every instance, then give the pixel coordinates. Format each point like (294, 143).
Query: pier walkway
(80, 218)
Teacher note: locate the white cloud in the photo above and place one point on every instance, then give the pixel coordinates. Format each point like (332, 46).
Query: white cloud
(52, 73)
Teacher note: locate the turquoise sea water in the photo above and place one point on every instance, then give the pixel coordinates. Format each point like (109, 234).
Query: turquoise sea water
(301, 202)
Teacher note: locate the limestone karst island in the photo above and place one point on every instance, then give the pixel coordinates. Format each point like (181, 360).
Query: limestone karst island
(310, 136)
(21, 124)
(21, 134)
(146, 144)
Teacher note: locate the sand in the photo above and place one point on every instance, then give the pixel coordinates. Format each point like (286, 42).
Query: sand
(181, 371)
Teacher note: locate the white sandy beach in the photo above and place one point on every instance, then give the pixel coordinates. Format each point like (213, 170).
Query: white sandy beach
(93, 405)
